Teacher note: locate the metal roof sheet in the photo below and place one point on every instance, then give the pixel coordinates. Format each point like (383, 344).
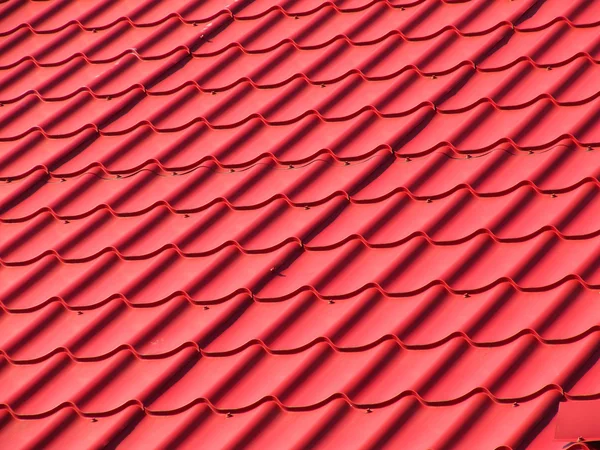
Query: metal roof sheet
(307, 224)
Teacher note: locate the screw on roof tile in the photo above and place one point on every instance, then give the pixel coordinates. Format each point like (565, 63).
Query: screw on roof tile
(434, 77)
(205, 308)
(590, 148)
(407, 159)
(466, 295)
(469, 156)
(403, 9)
(428, 200)
(195, 24)
(94, 420)
(108, 98)
(94, 30)
(213, 92)
(323, 85)
(369, 411)
(548, 68)
(186, 216)
(580, 439)
(62, 180)
(175, 173)
(346, 163)
(66, 221)
(80, 313)
(531, 152)
(515, 404)
(228, 415)
(307, 207)
(553, 195)
(291, 166)
(119, 176)
(231, 170)
(331, 302)
(8, 180)
(296, 17)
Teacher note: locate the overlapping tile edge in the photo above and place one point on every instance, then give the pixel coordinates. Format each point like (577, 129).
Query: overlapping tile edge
(28, 198)
(226, 10)
(487, 223)
(225, 22)
(264, 112)
(46, 326)
(559, 389)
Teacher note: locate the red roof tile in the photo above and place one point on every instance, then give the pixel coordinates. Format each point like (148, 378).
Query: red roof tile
(277, 224)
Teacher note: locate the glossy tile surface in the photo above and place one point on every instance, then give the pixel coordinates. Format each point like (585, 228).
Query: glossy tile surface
(308, 224)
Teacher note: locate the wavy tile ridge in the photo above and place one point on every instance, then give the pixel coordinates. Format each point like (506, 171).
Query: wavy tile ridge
(41, 178)
(311, 286)
(511, 28)
(272, 399)
(224, 11)
(353, 237)
(435, 110)
(209, 33)
(256, 342)
(452, 152)
(326, 82)
(436, 106)
(375, 287)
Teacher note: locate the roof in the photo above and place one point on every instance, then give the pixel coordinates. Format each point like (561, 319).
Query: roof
(353, 223)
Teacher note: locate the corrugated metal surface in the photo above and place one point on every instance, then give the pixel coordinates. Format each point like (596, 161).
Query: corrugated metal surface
(349, 224)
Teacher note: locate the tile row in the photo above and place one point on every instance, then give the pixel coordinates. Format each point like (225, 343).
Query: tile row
(369, 25)
(405, 422)
(491, 318)
(420, 17)
(437, 175)
(519, 87)
(515, 216)
(538, 264)
(308, 380)
(177, 68)
(484, 127)
(327, 26)
(43, 18)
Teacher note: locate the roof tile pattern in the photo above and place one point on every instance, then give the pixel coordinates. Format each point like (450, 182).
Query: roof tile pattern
(277, 224)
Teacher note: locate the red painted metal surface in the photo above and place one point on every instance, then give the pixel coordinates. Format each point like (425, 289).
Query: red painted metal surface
(273, 224)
